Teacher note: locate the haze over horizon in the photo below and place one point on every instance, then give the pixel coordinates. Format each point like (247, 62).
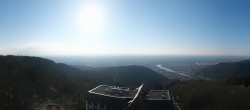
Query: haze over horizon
(124, 27)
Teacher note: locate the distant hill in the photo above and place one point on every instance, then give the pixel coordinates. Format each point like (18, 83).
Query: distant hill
(131, 75)
(39, 74)
(25, 80)
(226, 70)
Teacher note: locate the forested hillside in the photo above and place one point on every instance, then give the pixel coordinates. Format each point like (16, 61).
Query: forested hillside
(226, 70)
(211, 95)
(125, 75)
(28, 80)
(24, 80)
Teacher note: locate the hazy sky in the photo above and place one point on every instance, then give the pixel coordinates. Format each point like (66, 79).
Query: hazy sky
(125, 27)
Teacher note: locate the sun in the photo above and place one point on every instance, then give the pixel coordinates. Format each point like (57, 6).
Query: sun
(91, 18)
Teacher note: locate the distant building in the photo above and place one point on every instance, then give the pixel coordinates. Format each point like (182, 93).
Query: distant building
(106, 97)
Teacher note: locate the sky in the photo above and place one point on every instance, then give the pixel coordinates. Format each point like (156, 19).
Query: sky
(124, 27)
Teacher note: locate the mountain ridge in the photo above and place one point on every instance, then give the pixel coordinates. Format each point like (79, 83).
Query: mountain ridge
(226, 69)
(130, 75)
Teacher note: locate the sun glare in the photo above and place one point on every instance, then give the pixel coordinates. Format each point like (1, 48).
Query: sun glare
(90, 18)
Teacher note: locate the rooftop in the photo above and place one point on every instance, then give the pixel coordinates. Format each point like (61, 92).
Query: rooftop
(125, 92)
(113, 91)
(158, 95)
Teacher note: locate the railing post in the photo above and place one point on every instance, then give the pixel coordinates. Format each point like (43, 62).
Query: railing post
(104, 107)
(98, 106)
(92, 106)
(87, 105)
